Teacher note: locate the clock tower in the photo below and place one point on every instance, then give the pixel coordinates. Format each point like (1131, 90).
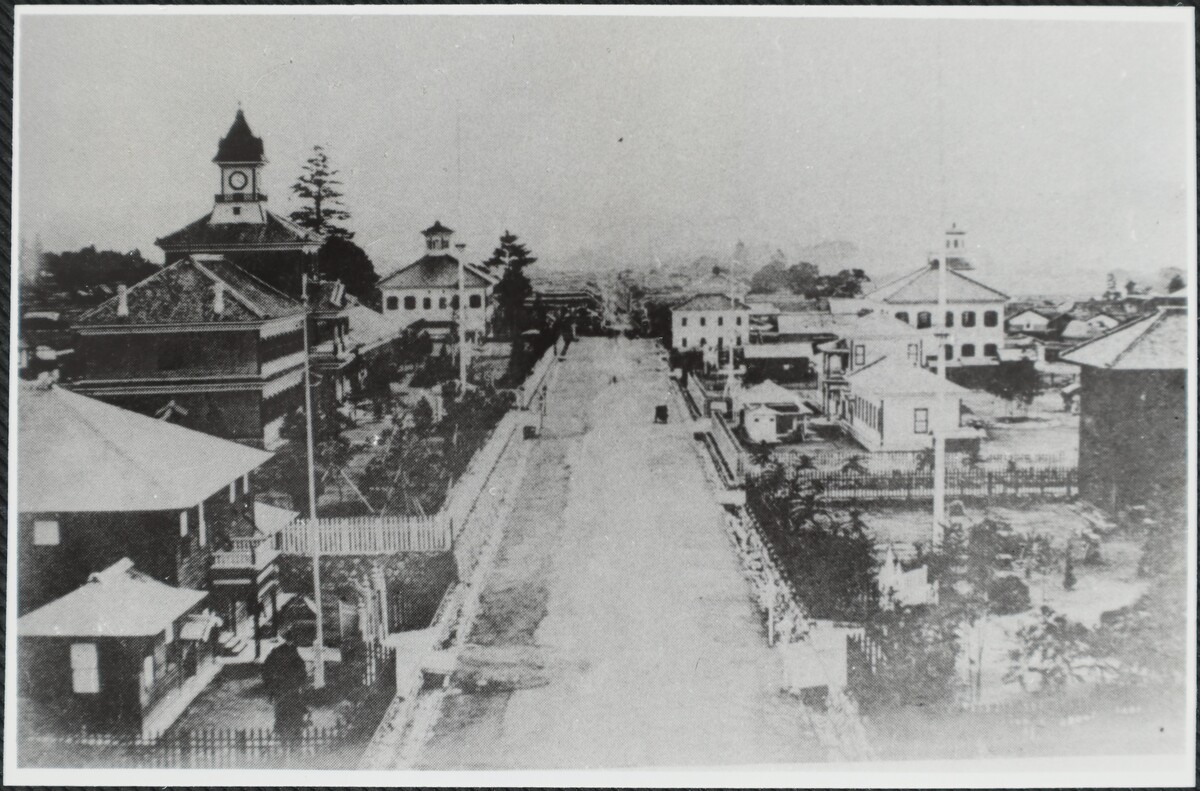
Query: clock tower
(240, 158)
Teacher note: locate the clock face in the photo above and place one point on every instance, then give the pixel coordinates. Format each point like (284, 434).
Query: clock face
(237, 180)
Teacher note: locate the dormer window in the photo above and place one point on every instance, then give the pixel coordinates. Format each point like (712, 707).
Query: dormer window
(237, 210)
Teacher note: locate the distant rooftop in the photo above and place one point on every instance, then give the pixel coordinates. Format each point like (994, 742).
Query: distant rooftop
(712, 302)
(921, 286)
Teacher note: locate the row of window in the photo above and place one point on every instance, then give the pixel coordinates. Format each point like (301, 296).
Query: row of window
(925, 319)
(968, 350)
(860, 354)
(704, 321)
(683, 342)
(868, 413)
(410, 303)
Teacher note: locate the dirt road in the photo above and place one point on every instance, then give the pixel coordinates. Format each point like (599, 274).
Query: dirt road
(616, 629)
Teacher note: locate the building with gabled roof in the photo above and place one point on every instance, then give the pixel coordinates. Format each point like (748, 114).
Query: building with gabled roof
(711, 323)
(1133, 403)
(429, 288)
(122, 652)
(240, 227)
(974, 314)
(893, 404)
(97, 483)
(216, 347)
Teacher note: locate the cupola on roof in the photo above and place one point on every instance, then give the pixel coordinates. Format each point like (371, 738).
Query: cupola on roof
(239, 144)
(436, 228)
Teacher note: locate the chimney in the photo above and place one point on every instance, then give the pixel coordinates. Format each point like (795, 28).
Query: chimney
(122, 300)
(219, 298)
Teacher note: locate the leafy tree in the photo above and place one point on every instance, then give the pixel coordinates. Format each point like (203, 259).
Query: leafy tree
(829, 557)
(88, 267)
(341, 259)
(1053, 650)
(760, 454)
(1177, 284)
(318, 185)
(919, 647)
(514, 288)
(803, 279)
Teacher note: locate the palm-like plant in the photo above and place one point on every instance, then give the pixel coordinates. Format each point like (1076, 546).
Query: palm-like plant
(855, 465)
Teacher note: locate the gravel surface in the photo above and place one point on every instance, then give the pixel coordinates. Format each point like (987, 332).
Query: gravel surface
(616, 629)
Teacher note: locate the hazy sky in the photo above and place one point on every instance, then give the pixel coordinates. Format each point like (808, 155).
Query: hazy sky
(1063, 147)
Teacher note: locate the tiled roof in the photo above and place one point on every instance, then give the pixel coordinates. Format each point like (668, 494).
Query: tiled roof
(1157, 342)
(184, 293)
(437, 227)
(712, 302)
(205, 236)
(117, 602)
(368, 328)
(239, 144)
(80, 454)
(921, 286)
(433, 271)
(885, 376)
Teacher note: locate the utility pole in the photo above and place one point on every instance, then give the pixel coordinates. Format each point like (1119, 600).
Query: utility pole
(314, 531)
(939, 434)
(462, 323)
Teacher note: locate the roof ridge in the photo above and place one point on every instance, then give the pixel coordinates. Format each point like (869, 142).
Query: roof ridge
(161, 271)
(233, 292)
(1150, 325)
(258, 281)
(1103, 335)
(976, 282)
(148, 471)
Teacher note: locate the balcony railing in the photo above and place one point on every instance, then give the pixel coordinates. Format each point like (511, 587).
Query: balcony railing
(239, 197)
(246, 553)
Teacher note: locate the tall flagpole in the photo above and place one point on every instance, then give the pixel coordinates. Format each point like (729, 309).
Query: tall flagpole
(462, 324)
(939, 432)
(314, 532)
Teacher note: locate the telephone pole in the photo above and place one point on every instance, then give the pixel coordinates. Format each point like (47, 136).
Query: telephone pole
(314, 532)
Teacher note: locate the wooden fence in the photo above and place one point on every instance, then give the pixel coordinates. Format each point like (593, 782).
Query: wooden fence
(368, 535)
(1051, 483)
(209, 748)
(728, 446)
(906, 460)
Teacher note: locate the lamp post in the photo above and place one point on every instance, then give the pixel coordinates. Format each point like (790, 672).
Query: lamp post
(462, 323)
(314, 532)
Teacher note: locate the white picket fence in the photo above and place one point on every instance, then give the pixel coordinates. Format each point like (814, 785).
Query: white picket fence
(369, 535)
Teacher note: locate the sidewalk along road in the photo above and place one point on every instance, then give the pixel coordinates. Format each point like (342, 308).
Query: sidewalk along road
(615, 628)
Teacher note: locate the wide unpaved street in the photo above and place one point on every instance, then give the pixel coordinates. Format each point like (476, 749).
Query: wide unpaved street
(616, 628)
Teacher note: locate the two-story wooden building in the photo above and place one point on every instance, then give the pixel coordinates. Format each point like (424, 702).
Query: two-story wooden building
(202, 343)
(1133, 405)
(97, 484)
(240, 227)
(973, 316)
(429, 289)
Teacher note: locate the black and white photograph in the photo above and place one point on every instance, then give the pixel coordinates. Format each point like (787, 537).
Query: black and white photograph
(668, 395)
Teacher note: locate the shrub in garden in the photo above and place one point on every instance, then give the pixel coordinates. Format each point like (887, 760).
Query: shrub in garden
(1008, 595)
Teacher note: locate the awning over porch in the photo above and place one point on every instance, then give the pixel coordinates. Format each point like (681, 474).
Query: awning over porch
(199, 627)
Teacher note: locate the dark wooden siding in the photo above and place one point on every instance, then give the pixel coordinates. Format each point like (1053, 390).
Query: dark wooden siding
(1132, 436)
